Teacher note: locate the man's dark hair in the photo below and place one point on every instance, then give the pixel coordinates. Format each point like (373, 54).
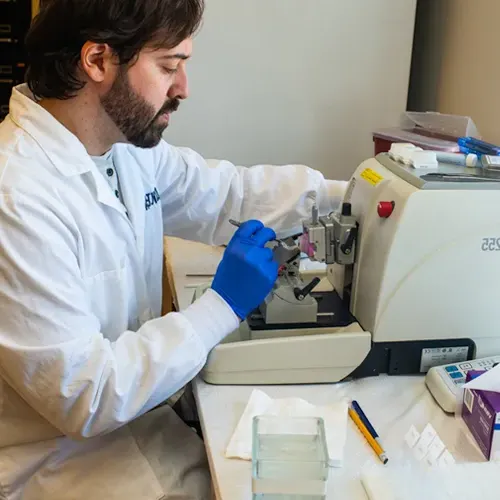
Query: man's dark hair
(58, 33)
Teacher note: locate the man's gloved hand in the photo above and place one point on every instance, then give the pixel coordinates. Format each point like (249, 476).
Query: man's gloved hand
(247, 272)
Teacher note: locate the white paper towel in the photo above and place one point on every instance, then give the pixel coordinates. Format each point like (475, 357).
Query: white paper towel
(334, 417)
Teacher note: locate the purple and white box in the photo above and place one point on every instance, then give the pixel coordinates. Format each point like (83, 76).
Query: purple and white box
(481, 413)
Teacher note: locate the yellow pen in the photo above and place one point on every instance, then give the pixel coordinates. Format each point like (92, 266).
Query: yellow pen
(371, 441)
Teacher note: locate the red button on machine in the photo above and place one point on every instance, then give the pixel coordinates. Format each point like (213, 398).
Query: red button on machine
(385, 209)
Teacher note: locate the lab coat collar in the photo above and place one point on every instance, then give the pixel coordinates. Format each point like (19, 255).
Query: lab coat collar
(65, 151)
(63, 148)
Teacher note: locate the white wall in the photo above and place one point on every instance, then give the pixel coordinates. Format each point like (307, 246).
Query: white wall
(296, 81)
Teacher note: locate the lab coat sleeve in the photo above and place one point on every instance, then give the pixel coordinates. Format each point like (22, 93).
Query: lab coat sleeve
(51, 349)
(199, 197)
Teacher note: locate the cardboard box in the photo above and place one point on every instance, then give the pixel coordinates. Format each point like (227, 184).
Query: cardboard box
(481, 413)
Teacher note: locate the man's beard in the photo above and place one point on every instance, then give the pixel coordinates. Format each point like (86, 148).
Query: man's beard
(133, 115)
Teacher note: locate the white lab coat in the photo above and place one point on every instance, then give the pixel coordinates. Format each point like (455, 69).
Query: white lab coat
(83, 349)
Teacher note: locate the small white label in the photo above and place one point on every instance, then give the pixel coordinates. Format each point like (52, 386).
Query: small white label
(422, 447)
(412, 436)
(438, 356)
(446, 458)
(435, 449)
(419, 452)
(469, 399)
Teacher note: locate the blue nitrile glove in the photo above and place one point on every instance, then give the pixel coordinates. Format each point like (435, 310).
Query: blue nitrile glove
(247, 271)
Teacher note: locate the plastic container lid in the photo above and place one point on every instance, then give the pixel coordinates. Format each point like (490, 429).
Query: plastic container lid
(423, 141)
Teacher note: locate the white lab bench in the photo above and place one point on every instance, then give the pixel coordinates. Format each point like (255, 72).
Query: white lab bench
(393, 404)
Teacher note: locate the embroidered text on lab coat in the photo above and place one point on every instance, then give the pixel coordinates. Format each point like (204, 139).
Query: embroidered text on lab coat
(151, 199)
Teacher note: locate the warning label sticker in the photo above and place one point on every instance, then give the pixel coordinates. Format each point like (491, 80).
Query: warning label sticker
(371, 176)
